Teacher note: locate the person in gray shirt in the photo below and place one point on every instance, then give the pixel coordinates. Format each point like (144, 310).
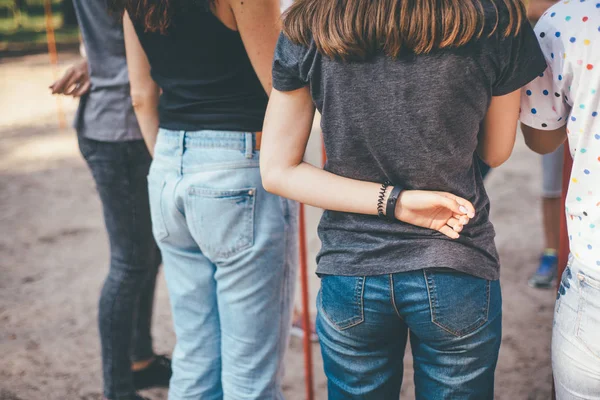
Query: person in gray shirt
(111, 143)
(410, 94)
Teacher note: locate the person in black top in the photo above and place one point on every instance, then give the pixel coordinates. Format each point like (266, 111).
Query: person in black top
(410, 93)
(200, 73)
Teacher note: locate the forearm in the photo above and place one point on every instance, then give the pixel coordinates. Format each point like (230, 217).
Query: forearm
(544, 142)
(494, 152)
(499, 129)
(438, 211)
(313, 186)
(147, 116)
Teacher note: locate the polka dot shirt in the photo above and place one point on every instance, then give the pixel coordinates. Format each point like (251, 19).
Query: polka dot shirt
(568, 92)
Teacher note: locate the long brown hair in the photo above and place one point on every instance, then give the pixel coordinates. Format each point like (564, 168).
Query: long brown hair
(154, 15)
(349, 29)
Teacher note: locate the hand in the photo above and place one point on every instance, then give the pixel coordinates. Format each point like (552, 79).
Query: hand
(75, 82)
(440, 211)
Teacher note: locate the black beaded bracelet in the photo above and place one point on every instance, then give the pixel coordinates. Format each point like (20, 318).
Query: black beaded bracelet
(381, 198)
(390, 210)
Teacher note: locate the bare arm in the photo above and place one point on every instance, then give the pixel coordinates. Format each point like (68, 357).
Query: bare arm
(285, 135)
(144, 91)
(259, 24)
(497, 140)
(536, 8)
(542, 141)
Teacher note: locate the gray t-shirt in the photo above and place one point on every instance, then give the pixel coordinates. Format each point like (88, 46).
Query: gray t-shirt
(105, 113)
(413, 121)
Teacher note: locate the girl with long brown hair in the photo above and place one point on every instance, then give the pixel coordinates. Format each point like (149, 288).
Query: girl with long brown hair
(229, 247)
(410, 92)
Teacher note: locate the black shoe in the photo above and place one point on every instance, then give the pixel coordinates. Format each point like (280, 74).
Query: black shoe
(157, 374)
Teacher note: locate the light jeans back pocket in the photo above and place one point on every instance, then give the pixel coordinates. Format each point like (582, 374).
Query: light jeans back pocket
(588, 330)
(459, 302)
(156, 188)
(222, 221)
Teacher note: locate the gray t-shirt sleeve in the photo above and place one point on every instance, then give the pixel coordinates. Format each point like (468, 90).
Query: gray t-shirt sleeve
(520, 61)
(287, 65)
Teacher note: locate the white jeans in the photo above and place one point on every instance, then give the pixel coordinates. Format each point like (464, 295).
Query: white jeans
(576, 334)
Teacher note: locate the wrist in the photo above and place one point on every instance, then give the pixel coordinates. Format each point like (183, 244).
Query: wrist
(386, 197)
(400, 206)
(382, 198)
(392, 202)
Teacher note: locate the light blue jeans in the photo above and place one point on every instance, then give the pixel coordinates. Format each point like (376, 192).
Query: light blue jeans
(229, 251)
(576, 334)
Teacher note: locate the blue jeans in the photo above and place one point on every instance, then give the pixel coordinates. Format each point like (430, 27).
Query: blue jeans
(125, 308)
(230, 256)
(576, 334)
(454, 322)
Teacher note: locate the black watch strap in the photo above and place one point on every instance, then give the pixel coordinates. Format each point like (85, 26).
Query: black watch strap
(390, 210)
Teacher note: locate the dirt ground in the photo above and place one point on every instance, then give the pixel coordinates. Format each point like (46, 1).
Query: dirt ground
(54, 254)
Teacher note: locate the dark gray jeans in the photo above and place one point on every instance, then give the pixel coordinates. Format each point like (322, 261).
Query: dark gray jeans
(125, 310)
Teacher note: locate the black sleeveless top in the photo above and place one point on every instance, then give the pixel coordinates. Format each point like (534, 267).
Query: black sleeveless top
(204, 71)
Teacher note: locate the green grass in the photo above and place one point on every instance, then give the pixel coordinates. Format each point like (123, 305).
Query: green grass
(27, 31)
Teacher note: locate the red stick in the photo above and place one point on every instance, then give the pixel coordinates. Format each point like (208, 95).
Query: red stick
(308, 372)
(323, 154)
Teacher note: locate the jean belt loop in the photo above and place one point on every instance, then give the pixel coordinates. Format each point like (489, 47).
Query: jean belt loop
(249, 145)
(181, 151)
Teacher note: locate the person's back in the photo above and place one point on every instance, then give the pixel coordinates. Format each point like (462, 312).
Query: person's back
(204, 71)
(228, 245)
(565, 103)
(412, 120)
(409, 92)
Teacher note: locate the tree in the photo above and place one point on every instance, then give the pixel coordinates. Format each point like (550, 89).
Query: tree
(19, 7)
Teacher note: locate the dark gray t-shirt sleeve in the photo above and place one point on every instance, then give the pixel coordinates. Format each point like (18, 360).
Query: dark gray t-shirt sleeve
(520, 61)
(287, 65)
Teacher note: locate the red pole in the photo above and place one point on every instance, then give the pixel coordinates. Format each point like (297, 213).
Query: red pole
(308, 372)
(53, 53)
(323, 154)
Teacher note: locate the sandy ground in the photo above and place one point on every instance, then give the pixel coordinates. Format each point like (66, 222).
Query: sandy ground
(53, 258)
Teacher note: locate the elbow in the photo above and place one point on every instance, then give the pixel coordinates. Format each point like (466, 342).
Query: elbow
(496, 160)
(141, 99)
(269, 184)
(271, 178)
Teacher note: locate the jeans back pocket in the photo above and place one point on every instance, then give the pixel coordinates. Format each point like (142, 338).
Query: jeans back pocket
(222, 221)
(341, 300)
(588, 330)
(459, 302)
